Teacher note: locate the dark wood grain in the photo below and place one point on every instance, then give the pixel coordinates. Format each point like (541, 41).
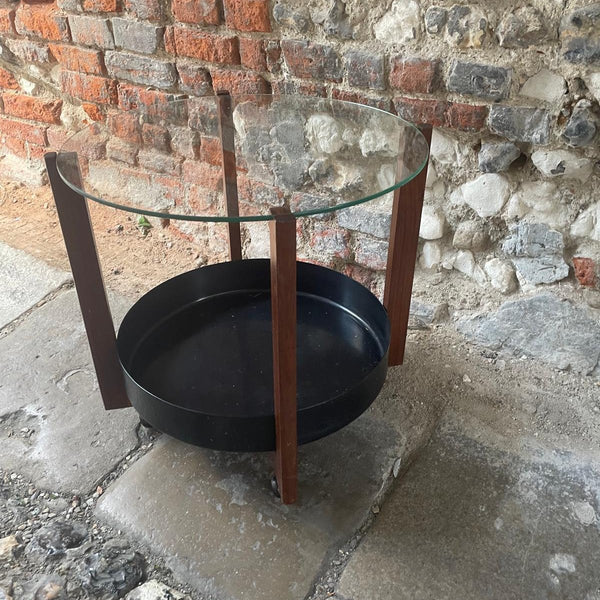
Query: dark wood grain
(230, 190)
(283, 303)
(402, 255)
(81, 249)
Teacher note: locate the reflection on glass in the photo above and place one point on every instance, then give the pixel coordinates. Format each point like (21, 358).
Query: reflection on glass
(311, 155)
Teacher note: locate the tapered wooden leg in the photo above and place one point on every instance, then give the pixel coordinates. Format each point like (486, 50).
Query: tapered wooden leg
(402, 255)
(227, 134)
(81, 248)
(283, 302)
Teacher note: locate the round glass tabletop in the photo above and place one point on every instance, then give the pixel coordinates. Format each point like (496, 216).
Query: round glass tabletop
(174, 160)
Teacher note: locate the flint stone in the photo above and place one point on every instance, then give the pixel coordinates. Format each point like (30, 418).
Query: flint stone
(428, 314)
(286, 16)
(562, 163)
(521, 28)
(114, 570)
(495, 158)
(54, 539)
(542, 327)
(49, 587)
(334, 20)
(154, 590)
(593, 83)
(464, 262)
(587, 223)
(581, 127)
(486, 195)
(431, 255)
(537, 252)
(374, 217)
(520, 124)
(470, 235)
(580, 35)
(435, 19)
(324, 134)
(545, 85)
(400, 24)
(502, 275)
(484, 81)
(432, 223)
(541, 200)
(466, 27)
(24, 281)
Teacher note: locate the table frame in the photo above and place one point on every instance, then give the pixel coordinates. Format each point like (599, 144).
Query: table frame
(81, 249)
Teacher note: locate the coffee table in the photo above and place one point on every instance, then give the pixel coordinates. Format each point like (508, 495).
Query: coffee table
(255, 354)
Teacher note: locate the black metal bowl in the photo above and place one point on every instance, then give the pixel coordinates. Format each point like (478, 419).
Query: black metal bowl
(196, 353)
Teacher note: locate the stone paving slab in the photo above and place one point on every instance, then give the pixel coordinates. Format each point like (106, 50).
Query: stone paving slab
(24, 281)
(53, 426)
(472, 522)
(215, 519)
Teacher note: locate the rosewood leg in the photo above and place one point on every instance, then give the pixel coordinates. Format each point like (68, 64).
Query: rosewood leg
(227, 133)
(283, 303)
(81, 249)
(402, 255)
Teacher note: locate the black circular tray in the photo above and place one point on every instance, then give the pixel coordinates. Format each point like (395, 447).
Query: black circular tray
(196, 353)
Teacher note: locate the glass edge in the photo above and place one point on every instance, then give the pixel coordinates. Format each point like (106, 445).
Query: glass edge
(251, 218)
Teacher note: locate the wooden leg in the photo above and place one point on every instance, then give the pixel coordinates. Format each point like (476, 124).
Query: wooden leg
(81, 249)
(227, 133)
(283, 302)
(402, 255)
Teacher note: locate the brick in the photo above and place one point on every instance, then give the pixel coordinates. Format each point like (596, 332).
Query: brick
(41, 20)
(159, 162)
(97, 6)
(328, 242)
(520, 124)
(121, 151)
(483, 81)
(155, 136)
(414, 75)
(418, 111)
(311, 61)
(273, 54)
(144, 70)
(126, 126)
(585, 271)
(133, 35)
(91, 31)
(7, 20)
(302, 88)
(247, 15)
(35, 109)
(346, 96)
(238, 82)
(193, 78)
(466, 117)
(13, 144)
(28, 50)
(199, 173)
(7, 80)
(89, 87)
(36, 134)
(57, 136)
(365, 69)
(252, 54)
(83, 60)
(184, 141)
(153, 103)
(147, 10)
(210, 151)
(370, 252)
(201, 12)
(205, 46)
(169, 40)
(93, 111)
